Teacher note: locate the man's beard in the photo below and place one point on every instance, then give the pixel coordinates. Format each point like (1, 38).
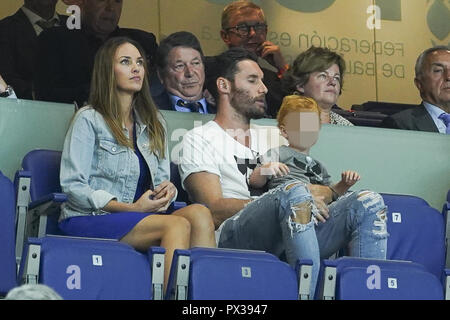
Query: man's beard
(245, 105)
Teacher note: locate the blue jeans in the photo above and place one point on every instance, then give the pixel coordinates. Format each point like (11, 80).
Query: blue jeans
(357, 222)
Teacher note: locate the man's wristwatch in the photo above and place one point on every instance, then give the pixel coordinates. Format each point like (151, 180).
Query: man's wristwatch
(8, 91)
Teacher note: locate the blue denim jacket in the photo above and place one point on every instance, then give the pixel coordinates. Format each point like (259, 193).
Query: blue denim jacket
(95, 169)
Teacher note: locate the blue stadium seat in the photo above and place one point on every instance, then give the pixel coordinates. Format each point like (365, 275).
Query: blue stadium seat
(8, 266)
(43, 167)
(94, 269)
(39, 196)
(416, 233)
(120, 272)
(349, 278)
(399, 199)
(228, 274)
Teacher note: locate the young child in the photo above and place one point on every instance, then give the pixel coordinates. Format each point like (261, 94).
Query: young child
(299, 122)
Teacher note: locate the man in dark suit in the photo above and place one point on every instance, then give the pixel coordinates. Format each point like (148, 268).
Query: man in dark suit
(66, 56)
(433, 81)
(18, 42)
(244, 25)
(180, 64)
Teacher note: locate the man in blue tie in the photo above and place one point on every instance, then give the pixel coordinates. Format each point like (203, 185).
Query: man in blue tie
(180, 65)
(433, 81)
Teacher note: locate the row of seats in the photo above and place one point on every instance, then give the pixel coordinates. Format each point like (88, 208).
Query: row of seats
(80, 268)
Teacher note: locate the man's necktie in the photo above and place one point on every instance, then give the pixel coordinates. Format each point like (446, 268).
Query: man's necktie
(193, 106)
(44, 24)
(446, 118)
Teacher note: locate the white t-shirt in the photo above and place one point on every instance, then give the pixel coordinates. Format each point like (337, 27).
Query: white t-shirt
(210, 148)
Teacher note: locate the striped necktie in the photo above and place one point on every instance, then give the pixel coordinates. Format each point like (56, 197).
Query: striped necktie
(193, 106)
(446, 118)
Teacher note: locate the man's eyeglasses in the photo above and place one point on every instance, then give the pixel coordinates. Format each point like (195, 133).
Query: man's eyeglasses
(244, 29)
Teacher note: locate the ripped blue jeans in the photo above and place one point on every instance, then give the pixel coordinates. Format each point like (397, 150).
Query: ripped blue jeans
(357, 222)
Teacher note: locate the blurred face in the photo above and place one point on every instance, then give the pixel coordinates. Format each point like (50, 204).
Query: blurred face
(101, 16)
(237, 37)
(301, 129)
(128, 69)
(248, 92)
(434, 81)
(185, 73)
(324, 87)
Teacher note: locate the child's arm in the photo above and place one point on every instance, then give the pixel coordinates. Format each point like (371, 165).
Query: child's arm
(261, 174)
(349, 178)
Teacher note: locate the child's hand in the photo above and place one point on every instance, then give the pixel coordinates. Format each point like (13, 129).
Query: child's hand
(350, 177)
(275, 169)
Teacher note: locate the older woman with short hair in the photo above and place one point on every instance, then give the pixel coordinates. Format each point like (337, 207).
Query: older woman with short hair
(318, 73)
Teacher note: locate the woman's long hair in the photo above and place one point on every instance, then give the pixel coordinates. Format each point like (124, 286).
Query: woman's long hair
(104, 98)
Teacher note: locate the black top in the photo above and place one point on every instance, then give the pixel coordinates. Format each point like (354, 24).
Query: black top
(65, 60)
(145, 179)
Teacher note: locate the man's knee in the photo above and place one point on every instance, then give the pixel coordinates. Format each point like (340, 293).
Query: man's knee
(201, 217)
(374, 205)
(178, 224)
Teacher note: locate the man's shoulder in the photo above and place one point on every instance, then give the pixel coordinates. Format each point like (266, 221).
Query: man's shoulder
(17, 17)
(409, 112)
(206, 130)
(416, 118)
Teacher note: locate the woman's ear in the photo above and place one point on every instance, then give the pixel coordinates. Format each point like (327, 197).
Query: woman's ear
(300, 89)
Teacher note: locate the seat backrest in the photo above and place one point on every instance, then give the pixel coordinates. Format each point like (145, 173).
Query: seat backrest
(238, 275)
(94, 269)
(416, 233)
(365, 279)
(44, 166)
(7, 236)
(397, 200)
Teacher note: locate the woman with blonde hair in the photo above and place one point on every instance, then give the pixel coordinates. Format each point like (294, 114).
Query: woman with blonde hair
(115, 165)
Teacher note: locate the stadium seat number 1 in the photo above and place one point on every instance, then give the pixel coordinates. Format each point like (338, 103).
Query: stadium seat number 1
(97, 260)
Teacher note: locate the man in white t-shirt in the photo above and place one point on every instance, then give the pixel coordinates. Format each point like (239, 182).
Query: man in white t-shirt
(218, 158)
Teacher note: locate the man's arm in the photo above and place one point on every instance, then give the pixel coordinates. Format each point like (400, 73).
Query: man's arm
(321, 191)
(204, 187)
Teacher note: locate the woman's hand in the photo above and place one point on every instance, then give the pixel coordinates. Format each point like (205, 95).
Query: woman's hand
(166, 190)
(147, 203)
